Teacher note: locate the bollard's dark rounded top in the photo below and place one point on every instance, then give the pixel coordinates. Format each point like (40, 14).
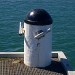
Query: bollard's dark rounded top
(38, 17)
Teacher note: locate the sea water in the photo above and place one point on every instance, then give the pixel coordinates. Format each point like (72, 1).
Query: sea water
(62, 12)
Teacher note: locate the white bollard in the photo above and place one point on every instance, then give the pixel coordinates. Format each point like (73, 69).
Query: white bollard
(37, 38)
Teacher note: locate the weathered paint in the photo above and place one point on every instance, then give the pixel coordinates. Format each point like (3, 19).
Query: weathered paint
(37, 52)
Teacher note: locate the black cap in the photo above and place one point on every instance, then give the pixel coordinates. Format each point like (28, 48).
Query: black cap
(38, 17)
